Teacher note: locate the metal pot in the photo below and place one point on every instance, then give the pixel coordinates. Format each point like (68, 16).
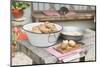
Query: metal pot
(41, 39)
(63, 10)
(66, 35)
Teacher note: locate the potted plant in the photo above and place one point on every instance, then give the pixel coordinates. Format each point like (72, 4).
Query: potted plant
(18, 9)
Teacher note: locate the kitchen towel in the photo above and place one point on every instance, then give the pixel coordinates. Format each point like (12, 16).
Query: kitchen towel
(70, 55)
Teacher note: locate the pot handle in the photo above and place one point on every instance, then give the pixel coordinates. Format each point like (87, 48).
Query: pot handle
(51, 37)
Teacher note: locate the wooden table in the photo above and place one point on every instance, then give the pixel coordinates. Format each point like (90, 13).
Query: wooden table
(41, 56)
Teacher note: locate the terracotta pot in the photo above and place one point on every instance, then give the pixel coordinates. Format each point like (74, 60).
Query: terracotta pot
(17, 13)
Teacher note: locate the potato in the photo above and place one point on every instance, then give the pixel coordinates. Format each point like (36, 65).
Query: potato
(47, 27)
(68, 47)
(36, 30)
(63, 46)
(54, 29)
(65, 42)
(72, 43)
(44, 29)
(47, 24)
(51, 26)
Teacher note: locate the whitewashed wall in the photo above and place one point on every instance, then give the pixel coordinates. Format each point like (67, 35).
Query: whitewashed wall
(45, 6)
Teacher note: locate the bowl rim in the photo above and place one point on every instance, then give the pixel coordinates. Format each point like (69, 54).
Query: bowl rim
(41, 33)
(71, 35)
(65, 27)
(62, 32)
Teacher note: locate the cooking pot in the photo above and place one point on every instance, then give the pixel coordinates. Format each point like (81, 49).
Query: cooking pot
(63, 10)
(41, 39)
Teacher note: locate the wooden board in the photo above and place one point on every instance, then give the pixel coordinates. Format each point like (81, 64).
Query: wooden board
(80, 16)
(59, 49)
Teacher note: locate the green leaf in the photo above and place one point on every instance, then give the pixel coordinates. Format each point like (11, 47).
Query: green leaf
(22, 5)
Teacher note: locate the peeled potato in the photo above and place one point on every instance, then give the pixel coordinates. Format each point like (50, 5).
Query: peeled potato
(47, 24)
(47, 27)
(36, 30)
(68, 47)
(65, 42)
(63, 46)
(54, 29)
(72, 43)
(44, 29)
(51, 26)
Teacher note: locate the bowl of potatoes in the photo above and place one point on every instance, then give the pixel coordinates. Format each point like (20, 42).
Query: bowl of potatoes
(42, 34)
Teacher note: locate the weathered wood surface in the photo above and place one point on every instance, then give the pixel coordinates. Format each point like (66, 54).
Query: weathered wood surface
(41, 56)
(79, 16)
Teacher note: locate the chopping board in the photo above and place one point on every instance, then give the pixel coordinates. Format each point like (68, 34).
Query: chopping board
(78, 45)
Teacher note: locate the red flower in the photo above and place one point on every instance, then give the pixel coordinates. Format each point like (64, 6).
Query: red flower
(16, 30)
(22, 36)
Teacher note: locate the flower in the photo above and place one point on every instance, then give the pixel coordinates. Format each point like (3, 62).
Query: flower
(16, 30)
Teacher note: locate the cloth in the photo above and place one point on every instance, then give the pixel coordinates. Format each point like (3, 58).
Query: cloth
(51, 13)
(88, 39)
(61, 56)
